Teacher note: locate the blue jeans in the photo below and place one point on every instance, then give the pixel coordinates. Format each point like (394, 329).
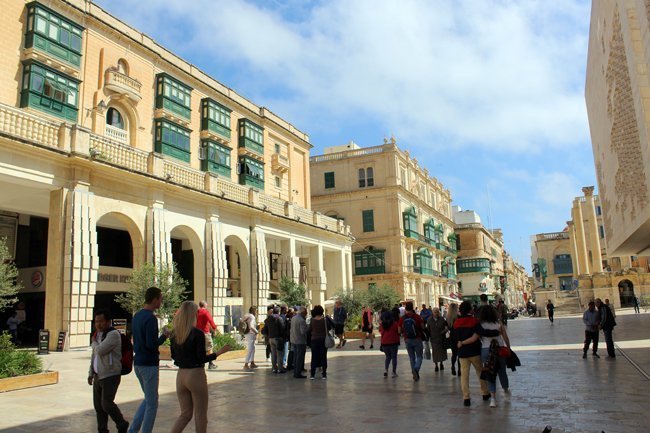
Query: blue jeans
(415, 348)
(391, 356)
(145, 416)
(503, 374)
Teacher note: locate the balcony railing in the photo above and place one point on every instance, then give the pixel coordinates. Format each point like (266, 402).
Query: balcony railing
(31, 128)
(280, 163)
(552, 236)
(123, 84)
(117, 134)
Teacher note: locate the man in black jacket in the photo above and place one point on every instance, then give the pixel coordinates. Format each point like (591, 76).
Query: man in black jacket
(274, 330)
(607, 323)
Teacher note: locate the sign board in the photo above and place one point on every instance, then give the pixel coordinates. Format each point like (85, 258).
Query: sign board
(44, 342)
(61, 342)
(120, 325)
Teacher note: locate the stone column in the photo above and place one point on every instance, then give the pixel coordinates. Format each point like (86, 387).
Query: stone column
(348, 270)
(216, 269)
(289, 262)
(572, 246)
(55, 258)
(260, 277)
(581, 245)
(317, 277)
(592, 230)
(157, 237)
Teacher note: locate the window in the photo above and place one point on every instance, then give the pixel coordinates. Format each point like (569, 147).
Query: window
(562, 264)
(370, 177)
(122, 67)
(173, 95)
(410, 219)
(277, 148)
(251, 172)
(329, 180)
(114, 118)
(215, 117)
(362, 178)
(278, 182)
(49, 91)
(51, 33)
(599, 211)
(216, 158)
(251, 136)
(422, 262)
(429, 231)
(403, 177)
(369, 261)
(601, 231)
(368, 218)
(172, 140)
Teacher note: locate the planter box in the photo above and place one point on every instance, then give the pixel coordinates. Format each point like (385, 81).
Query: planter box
(165, 354)
(29, 381)
(355, 335)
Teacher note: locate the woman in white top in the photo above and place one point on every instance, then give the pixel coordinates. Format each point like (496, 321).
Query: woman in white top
(489, 320)
(250, 337)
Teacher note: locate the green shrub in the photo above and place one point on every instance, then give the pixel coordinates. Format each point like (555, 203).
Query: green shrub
(15, 362)
(353, 323)
(221, 340)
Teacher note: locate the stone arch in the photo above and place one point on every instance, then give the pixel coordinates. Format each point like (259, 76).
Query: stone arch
(118, 220)
(626, 292)
(123, 66)
(238, 265)
(129, 114)
(193, 272)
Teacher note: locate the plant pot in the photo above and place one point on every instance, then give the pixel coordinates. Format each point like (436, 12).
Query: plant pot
(29, 381)
(165, 353)
(354, 335)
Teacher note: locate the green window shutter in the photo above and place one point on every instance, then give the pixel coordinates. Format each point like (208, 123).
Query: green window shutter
(368, 217)
(50, 91)
(329, 180)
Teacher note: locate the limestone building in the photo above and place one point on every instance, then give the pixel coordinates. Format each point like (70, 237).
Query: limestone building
(399, 215)
(618, 106)
(115, 152)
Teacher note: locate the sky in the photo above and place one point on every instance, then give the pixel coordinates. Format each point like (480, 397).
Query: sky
(487, 95)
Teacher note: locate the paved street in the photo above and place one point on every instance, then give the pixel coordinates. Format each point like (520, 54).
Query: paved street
(554, 386)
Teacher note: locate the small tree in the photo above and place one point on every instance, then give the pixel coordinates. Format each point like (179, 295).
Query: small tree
(292, 293)
(166, 278)
(379, 297)
(8, 273)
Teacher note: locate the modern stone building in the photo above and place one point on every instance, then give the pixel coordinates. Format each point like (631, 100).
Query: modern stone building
(399, 215)
(618, 105)
(115, 152)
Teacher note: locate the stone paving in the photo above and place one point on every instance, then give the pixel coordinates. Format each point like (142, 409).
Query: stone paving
(554, 386)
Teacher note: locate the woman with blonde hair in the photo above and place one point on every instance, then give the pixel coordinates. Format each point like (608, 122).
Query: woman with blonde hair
(452, 315)
(188, 352)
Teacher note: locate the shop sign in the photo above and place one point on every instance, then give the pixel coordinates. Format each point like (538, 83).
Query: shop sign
(37, 279)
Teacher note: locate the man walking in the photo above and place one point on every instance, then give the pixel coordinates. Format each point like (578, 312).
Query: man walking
(426, 314)
(105, 373)
(205, 323)
(636, 305)
(299, 342)
(550, 308)
(591, 319)
(340, 316)
(274, 330)
(607, 323)
(411, 327)
(465, 326)
(146, 359)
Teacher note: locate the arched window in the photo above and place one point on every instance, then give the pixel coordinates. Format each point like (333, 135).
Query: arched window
(116, 128)
(370, 176)
(362, 178)
(122, 67)
(114, 118)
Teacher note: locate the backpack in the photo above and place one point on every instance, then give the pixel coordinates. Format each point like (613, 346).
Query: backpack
(410, 330)
(242, 326)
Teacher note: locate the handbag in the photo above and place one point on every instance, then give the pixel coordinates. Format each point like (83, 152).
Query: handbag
(329, 340)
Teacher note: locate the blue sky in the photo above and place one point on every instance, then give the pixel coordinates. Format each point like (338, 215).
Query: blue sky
(488, 95)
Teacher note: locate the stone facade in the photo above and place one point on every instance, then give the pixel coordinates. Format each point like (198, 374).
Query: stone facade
(618, 105)
(399, 215)
(103, 132)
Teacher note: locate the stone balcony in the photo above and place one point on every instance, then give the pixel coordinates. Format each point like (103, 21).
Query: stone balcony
(280, 163)
(123, 84)
(74, 140)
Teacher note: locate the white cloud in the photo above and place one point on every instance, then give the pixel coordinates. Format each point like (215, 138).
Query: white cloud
(463, 73)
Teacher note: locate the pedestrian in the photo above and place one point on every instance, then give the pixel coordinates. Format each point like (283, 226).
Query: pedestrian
(426, 314)
(299, 342)
(318, 327)
(105, 373)
(465, 326)
(502, 312)
(274, 328)
(550, 308)
(366, 327)
(636, 305)
(611, 307)
(285, 316)
(340, 317)
(402, 309)
(411, 327)
(146, 358)
(205, 323)
(607, 323)
(452, 315)
(591, 319)
(187, 349)
(389, 330)
(12, 324)
(437, 328)
(267, 343)
(250, 336)
(490, 353)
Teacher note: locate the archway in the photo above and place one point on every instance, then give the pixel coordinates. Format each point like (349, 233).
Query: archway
(187, 254)
(626, 293)
(122, 120)
(239, 293)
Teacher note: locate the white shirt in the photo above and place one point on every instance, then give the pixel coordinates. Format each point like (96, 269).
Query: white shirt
(252, 323)
(485, 341)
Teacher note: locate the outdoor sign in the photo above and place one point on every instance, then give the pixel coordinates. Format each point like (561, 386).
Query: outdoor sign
(61, 342)
(44, 342)
(120, 325)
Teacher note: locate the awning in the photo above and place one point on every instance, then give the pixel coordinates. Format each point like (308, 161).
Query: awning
(448, 298)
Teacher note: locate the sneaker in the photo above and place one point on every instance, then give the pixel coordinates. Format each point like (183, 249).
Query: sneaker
(253, 365)
(493, 402)
(311, 377)
(324, 377)
(211, 366)
(283, 371)
(362, 347)
(596, 355)
(275, 371)
(467, 402)
(584, 355)
(247, 368)
(385, 373)
(486, 397)
(506, 391)
(394, 374)
(343, 344)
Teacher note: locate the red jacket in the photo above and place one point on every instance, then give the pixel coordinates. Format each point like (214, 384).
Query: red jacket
(389, 336)
(204, 321)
